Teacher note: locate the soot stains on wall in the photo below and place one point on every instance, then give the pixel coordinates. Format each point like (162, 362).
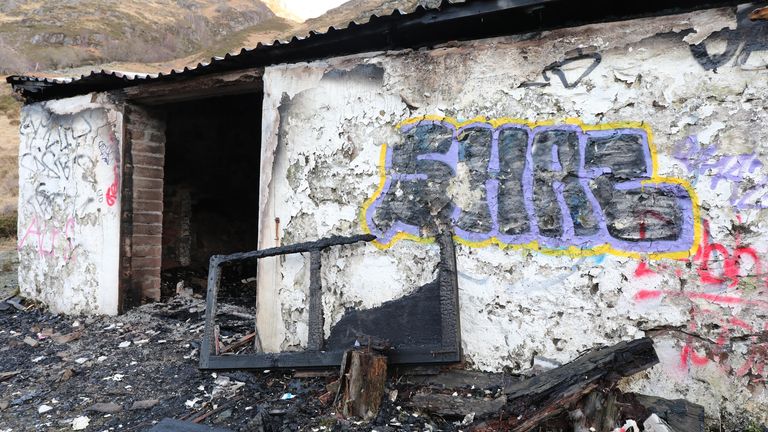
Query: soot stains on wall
(666, 164)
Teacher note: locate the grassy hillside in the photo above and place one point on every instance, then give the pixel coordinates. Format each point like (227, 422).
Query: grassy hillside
(56, 34)
(361, 11)
(9, 148)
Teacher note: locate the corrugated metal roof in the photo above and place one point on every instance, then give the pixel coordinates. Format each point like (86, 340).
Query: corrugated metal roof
(128, 77)
(417, 27)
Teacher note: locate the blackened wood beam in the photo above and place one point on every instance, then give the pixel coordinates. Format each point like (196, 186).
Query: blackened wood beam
(294, 248)
(535, 399)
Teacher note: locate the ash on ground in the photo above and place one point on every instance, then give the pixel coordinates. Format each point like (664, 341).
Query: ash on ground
(129, 372)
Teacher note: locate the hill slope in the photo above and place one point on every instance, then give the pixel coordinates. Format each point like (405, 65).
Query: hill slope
(56, 34)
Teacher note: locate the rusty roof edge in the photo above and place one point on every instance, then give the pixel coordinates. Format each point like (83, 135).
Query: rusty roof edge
(473, 19)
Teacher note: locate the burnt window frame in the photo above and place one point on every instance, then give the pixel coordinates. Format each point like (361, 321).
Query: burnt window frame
(446, 350)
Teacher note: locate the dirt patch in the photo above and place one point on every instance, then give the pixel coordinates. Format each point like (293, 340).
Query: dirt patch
(9, 151)
(9, 265)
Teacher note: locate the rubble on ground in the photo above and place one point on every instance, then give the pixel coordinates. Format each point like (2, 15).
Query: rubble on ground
(139, 371)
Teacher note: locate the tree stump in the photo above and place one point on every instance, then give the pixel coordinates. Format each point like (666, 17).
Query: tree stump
(363, 375)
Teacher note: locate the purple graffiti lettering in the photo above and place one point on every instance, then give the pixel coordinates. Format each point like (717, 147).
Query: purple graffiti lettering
(561, 186)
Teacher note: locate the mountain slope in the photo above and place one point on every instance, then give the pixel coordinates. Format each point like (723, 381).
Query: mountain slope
(56, 34)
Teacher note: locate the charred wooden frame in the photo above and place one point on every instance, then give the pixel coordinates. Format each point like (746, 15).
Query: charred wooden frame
(445, 349)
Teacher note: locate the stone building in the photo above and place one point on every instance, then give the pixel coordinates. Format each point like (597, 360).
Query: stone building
(601, 170)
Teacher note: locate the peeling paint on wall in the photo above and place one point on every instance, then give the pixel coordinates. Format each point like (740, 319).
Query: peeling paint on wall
(69, 178)
(396, 142)
(428, 124)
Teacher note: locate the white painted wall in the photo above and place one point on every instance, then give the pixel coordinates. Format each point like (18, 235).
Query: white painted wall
(69, 204)
(324, 128)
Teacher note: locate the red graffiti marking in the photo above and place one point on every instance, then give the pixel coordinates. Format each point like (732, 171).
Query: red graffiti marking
(716, 264)
(689, 354)
(709, 254)
(648, 295)
(643, 270)
(732, 329)
(46, 237)
(722, 299)
(111, 193)
(732, 262)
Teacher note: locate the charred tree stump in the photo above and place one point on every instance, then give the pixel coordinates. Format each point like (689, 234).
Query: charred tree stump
(363, 375)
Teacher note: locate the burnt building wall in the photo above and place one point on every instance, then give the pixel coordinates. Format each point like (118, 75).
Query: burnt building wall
(603, 182)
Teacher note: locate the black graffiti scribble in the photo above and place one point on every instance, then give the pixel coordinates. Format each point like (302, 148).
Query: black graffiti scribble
(556, 69)
(60, 158)
(748, 37)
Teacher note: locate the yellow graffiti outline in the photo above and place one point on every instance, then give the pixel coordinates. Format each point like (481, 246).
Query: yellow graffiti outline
(571, 251)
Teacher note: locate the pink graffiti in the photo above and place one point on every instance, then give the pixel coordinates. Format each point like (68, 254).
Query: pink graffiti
(709, 253)
(701, 353)
(723, 299)
(111, 193)
(757, 352)
(44, 237)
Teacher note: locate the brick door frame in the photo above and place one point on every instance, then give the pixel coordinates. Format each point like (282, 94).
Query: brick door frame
(141, 227)
(141, 216)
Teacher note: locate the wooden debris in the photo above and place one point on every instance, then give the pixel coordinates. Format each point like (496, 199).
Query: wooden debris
(7, 375)
(217, 410)
(313, 373)
(105, 408)
(682, 416)
(531, 401)
(144, 404)
(607, 410)
(759, 14)
(457, 406)
(363, 375)
(243, 341)
(65, 375)
(67, 338)
(454, 379)
(597, 410)
(326, 398)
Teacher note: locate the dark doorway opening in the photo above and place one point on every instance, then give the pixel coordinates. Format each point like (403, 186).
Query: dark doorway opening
(211, 190)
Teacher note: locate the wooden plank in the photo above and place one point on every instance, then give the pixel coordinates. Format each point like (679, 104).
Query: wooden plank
(296, 248)
(682, 416)
(531, 401)
(449, 294)
(457, 406)
(206, 347)
(315, 319)
(180, 90)
(456, 379)
(238, 343)
(316, 359)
